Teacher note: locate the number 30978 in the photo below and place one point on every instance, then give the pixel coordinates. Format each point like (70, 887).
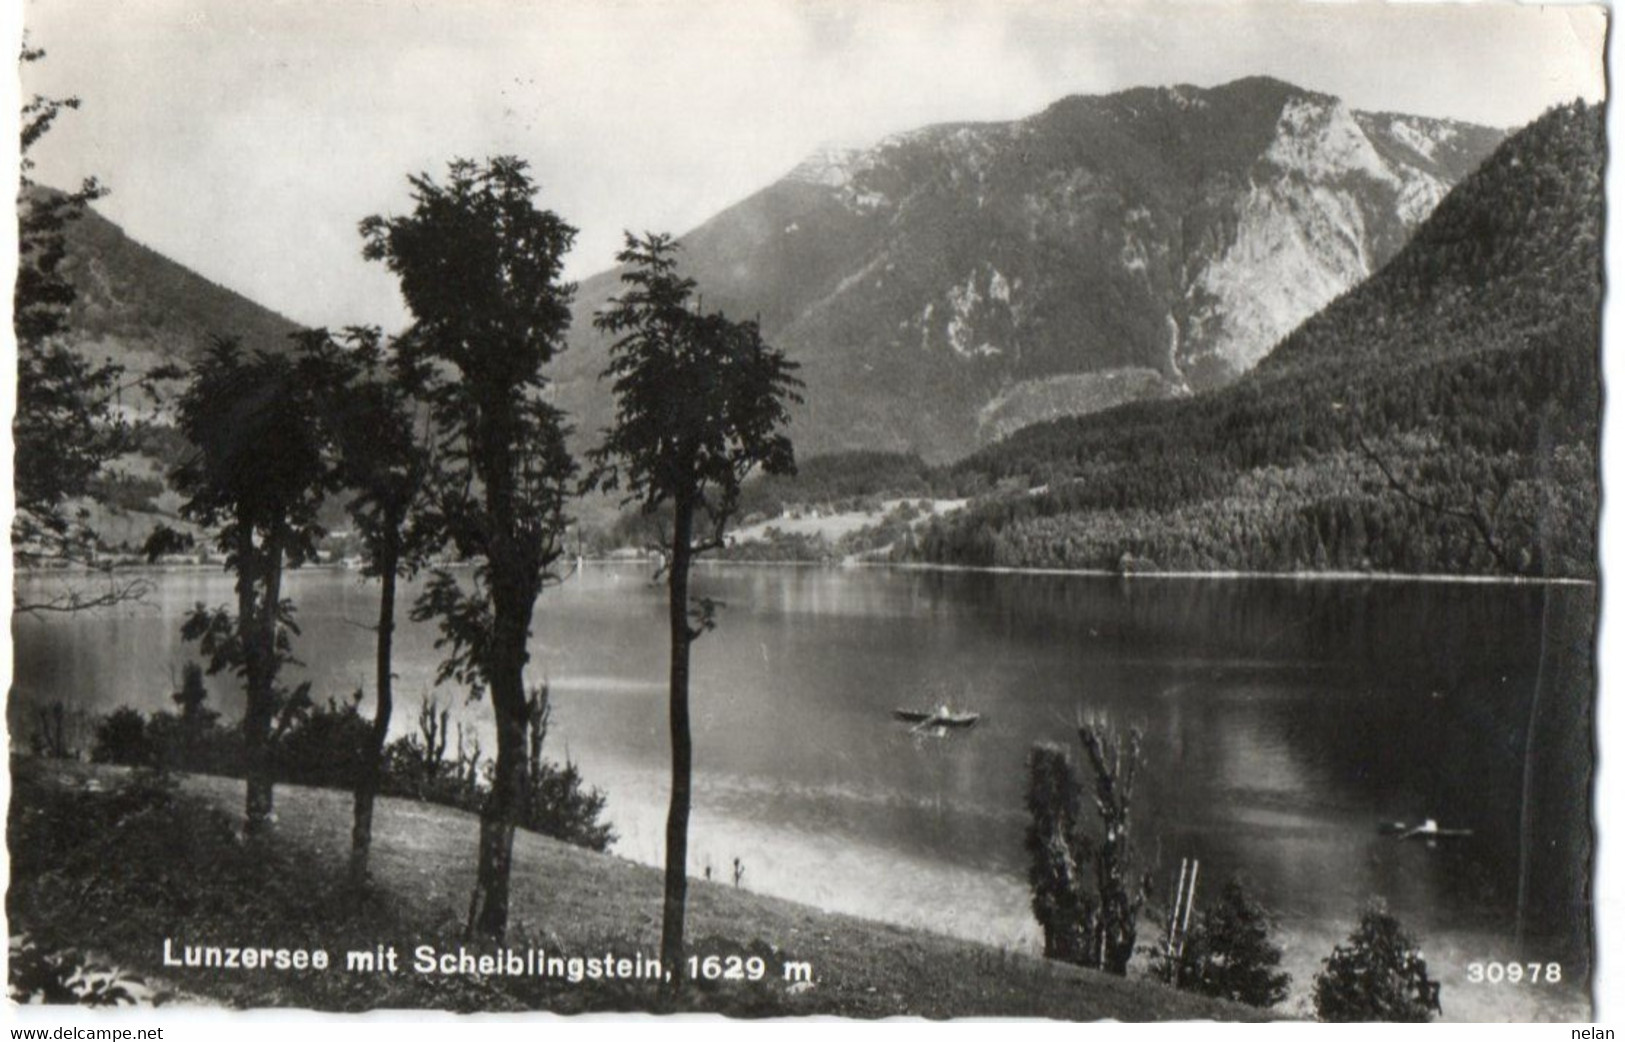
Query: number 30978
(1514, 972)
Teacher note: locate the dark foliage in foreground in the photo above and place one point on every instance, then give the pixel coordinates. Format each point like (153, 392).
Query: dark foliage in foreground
(69, 821)
(65, 977)
(1378, 974)
(480, 269)
(255, 482)
(1228, 953)
(185, 873)
(1086, 893)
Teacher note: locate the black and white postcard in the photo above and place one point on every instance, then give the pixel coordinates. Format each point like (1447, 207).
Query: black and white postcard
(1051, 509)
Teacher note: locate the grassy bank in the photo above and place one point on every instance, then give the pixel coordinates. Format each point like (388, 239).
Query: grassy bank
(117, 867)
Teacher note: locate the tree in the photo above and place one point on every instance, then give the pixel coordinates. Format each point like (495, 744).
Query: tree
(1094, 929)
(1228, 952)
(190, 698)
(1378, 975)
(257, 475)
(1059, 853)
(367, 403)
(479, 266)
(701, 402)
(1116, 760)
(188, 741)
(66, 427)
(163, 540)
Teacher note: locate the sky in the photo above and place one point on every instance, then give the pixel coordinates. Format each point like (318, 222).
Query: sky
(247, 140)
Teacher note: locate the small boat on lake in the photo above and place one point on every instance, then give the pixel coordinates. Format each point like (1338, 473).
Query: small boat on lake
(1429, 829)
(942, 716)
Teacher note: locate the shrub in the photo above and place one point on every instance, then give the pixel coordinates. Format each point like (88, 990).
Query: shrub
(1228, 953)
(558, 803)
(194, 740)
(1378, 975)
(1058, 852)
(416, 765)
(164, 541)
(325, 747)
(121, 738)
(59, 732)
(196, 746)
(190, 698)
(1091, 927)
(564, 807)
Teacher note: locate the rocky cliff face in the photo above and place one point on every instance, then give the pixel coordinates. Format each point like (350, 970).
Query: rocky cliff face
(1441, 417)
(950, 284)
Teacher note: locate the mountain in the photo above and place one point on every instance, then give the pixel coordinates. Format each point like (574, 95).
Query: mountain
(141, 309)
(1443, 416)
(1519, 239)
(1138, 245)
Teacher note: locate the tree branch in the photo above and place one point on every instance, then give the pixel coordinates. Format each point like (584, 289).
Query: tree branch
(129, 590)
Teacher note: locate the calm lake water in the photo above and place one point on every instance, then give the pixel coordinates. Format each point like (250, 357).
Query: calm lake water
(1284, 720)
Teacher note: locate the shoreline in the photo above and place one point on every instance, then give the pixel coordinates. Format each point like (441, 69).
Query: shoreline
(1102, 573)
(1225, 575)
(1234, 575)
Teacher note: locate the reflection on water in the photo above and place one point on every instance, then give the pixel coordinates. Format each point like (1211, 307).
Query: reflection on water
(1284, 720)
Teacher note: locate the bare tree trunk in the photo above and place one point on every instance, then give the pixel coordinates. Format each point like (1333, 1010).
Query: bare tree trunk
(366, 787)
(488, 907)
(682, 750)
(257, 754)
(256, 619)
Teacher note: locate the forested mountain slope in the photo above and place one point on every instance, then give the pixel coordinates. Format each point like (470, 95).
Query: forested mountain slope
(140, 309)
(1442, 417)
(136, 308)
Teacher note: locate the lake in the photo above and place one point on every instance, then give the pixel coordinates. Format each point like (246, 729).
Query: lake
(1284, 721)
